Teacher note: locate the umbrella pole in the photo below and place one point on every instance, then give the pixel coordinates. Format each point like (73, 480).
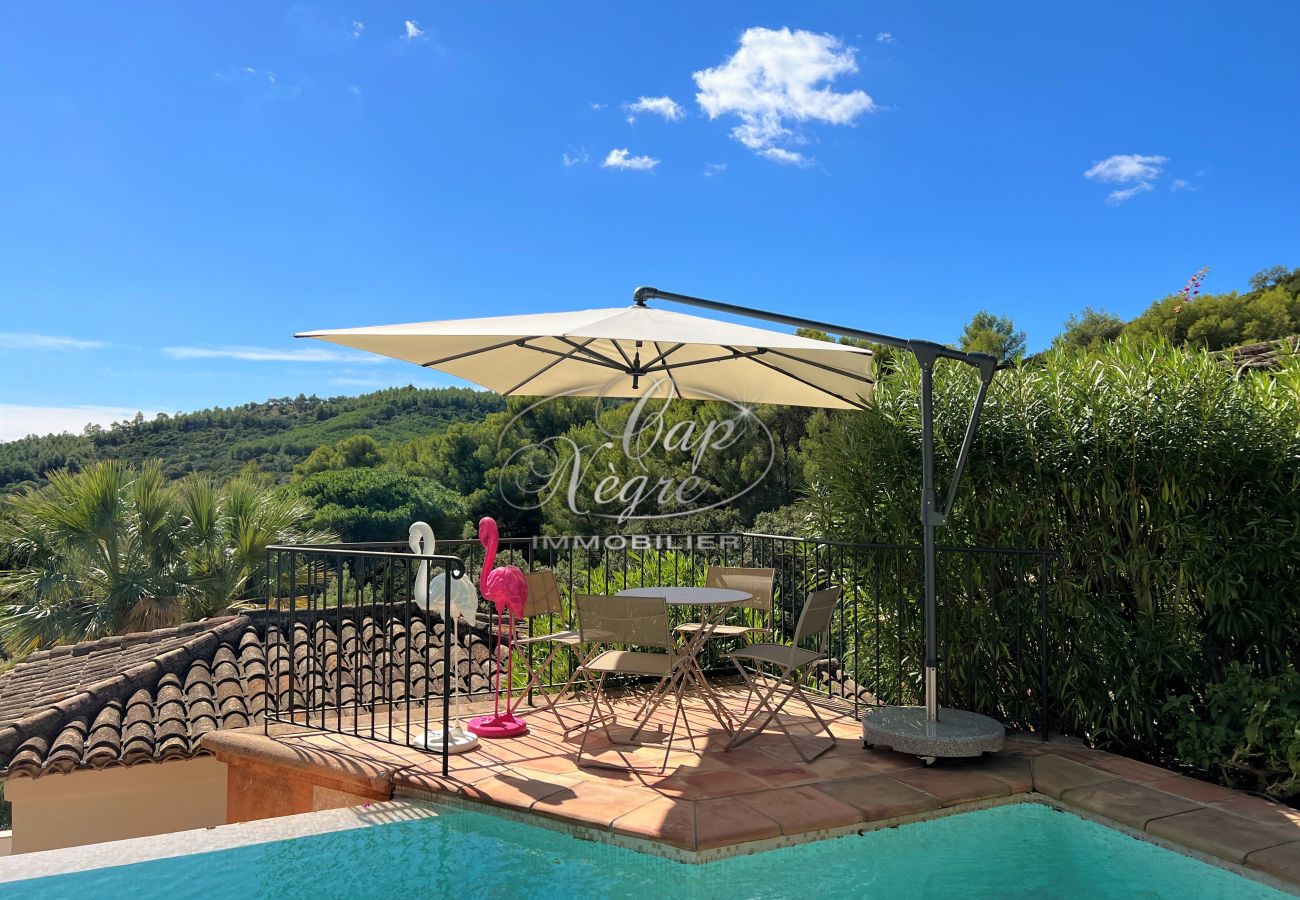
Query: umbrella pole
(930, 520)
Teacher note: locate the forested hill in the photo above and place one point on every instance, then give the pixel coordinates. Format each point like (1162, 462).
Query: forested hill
(273, 435)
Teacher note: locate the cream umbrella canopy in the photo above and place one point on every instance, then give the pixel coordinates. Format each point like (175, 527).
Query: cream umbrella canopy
(612, 352)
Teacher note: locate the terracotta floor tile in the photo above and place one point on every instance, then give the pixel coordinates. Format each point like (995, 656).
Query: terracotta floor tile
(720, 783)
(665, 819)
(1194, 789)
(802, 809)
(1263, 812)
(1134, 805)
(834, 766)
(1219, 833)
(1054, 775)
(778, 775)
(1131, 769)
(954, 785)
(1282, 861)
(591, 803)
(726, 821)
(521, 789)
(1013, 769)
(879, 796)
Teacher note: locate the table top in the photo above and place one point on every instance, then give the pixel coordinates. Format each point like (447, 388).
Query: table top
(691, 596)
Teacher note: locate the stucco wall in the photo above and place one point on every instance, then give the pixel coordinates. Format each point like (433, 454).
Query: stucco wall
(87, 807)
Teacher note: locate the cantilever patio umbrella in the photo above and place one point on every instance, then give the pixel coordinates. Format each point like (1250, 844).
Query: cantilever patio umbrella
(610, 352)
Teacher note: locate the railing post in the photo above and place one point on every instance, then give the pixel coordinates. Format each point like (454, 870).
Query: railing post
(1043, 637)
(447, 674)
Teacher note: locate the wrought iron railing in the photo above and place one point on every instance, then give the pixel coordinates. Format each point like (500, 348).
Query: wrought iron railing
(358, 656)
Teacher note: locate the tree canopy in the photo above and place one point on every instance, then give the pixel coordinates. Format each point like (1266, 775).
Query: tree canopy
(993, 334)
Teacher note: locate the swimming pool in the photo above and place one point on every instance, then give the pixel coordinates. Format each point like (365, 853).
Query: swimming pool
(1020, 850)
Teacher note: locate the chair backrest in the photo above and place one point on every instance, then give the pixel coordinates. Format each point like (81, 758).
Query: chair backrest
(759, 582)
(815, 619)
(543, 594)
(631, 621)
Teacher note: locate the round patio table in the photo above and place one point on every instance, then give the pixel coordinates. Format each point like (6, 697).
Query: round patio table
(713, 604)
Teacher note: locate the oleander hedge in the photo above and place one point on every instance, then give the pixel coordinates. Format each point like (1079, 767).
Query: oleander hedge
(1169, 484)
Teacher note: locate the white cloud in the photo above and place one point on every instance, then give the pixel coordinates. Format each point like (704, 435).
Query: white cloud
(21, 340)
(660, 106)
(1131, 167)
(598, 106)
(269, 354)
(620, 159)
(413, 30)
(1127, 169)
(354, 90)
(711, 169)
(884, 37)
(773, 79)
(1181, 185)
(783, 156)
(357, 28)
(18, 421)
(577, 158)
(1119, 196)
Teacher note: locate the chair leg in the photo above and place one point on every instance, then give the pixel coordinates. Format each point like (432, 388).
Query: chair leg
(591, 717)
(552, 699)
(666, 685)
(789, 678)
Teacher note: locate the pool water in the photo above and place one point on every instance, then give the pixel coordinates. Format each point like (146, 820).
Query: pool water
(1022, 850)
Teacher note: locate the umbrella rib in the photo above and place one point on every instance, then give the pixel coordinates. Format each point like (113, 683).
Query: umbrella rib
(807, 383)
(488, 349)
(592, 353)
(808, 362)
(734, 354)
(664, 354)
(668, 370)
(550, 365)
(598, 361)
(621, 352)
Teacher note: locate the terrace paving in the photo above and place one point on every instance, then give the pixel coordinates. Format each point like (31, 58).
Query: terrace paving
(763, 794)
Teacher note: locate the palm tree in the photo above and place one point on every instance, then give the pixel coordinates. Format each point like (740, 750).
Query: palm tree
(112, 549)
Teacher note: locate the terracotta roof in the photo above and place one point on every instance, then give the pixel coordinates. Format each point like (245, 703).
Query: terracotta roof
(151, 696)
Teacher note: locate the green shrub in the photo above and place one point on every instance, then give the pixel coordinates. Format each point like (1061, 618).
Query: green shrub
(1169, 485)
(1245, 730)
(366, 504)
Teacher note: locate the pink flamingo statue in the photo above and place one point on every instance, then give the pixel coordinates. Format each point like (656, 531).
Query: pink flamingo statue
(507, 590)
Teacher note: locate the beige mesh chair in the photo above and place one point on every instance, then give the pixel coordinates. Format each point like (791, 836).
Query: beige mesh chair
(634, 623)
(760, 583)
(544, 601)
(789, 662)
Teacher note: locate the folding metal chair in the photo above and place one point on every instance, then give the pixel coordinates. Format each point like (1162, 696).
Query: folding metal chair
(544, 601)
(790, 662)
(631, 622)
(760, 583)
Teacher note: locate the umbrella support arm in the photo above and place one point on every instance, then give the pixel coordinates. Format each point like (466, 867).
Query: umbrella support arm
(927, 354)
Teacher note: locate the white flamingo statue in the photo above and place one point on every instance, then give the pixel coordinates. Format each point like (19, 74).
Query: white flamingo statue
(464, 605)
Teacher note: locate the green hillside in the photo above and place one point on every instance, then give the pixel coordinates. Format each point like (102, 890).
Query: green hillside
(272, 436)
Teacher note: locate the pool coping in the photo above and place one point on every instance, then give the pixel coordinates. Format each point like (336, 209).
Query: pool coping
(111, 854)
(414, 804)
(1230, 829)
(701, 857)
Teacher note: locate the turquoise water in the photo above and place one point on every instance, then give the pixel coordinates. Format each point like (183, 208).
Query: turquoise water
(1024, 850)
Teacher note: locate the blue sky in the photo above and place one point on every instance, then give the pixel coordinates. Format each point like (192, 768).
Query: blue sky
(184, 191)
